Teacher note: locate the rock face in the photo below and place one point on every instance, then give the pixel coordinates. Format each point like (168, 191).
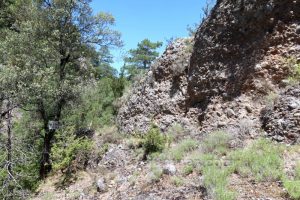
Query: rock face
(237, 36)
(282, 121)
(160, 97)
(238, 55)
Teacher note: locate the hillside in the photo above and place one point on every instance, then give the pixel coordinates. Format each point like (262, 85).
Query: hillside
(216, 117)
(229, 99)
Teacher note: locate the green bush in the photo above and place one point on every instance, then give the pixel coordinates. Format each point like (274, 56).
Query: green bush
(188, 169)
(154, 141)
(69, 150)
(262, 160)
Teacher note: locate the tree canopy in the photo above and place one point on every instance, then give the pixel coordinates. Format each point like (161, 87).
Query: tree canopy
(47, 61)
(141, 57)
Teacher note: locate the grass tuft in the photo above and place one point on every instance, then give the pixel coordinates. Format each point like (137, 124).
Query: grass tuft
(177, 181)
(216, 143)
(187, 145)
(293, 186)
(262, 160)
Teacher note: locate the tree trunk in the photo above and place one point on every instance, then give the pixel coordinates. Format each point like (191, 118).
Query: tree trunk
(46, 165)
(9, 149)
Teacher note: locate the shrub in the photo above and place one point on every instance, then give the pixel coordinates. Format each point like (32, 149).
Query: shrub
(215, 180)
(156, 172)
(262, 160)
(188, 169)
(183, 147)
(110, 135)
(69, 150)
(198, 160)
(134, 143)
(271, 99)
(154, 141)
(133, 178)
(216, 143)
(175, 132)
(294, 77)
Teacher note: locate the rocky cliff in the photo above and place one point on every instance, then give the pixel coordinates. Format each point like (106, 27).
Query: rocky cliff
(225, 76)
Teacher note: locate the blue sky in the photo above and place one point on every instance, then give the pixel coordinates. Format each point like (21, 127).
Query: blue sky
(157, 20)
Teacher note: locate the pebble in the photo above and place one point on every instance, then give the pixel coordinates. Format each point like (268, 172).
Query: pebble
(169, 169)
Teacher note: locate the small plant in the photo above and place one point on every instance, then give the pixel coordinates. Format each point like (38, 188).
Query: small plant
(199, 160)
(297, 171)
(271, 98)
(110, 135)
(175, 132)
(177, 181)
(102, 150)
(156, 172)
(188, 169)
(293, 186)
(216, 143)
(74, 155)
(133, 178)
(189, 42)
(294, 66)
(134, 143)
(262, 160)
(154, 141)
(215, 180)
(182, 148)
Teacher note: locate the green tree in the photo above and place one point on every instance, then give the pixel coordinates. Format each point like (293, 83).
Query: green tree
(141, 57)
(50, 59)
(6, 18)
(104, 64)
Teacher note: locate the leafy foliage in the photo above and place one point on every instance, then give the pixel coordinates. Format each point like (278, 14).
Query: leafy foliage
(68, 149)
(154, 141)
(54, 66)
(25, 159)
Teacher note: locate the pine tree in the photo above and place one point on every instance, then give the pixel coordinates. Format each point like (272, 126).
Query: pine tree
(141, 57)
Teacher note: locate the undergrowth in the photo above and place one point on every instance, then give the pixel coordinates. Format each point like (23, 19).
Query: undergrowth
(262, 160)
(293, 186)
